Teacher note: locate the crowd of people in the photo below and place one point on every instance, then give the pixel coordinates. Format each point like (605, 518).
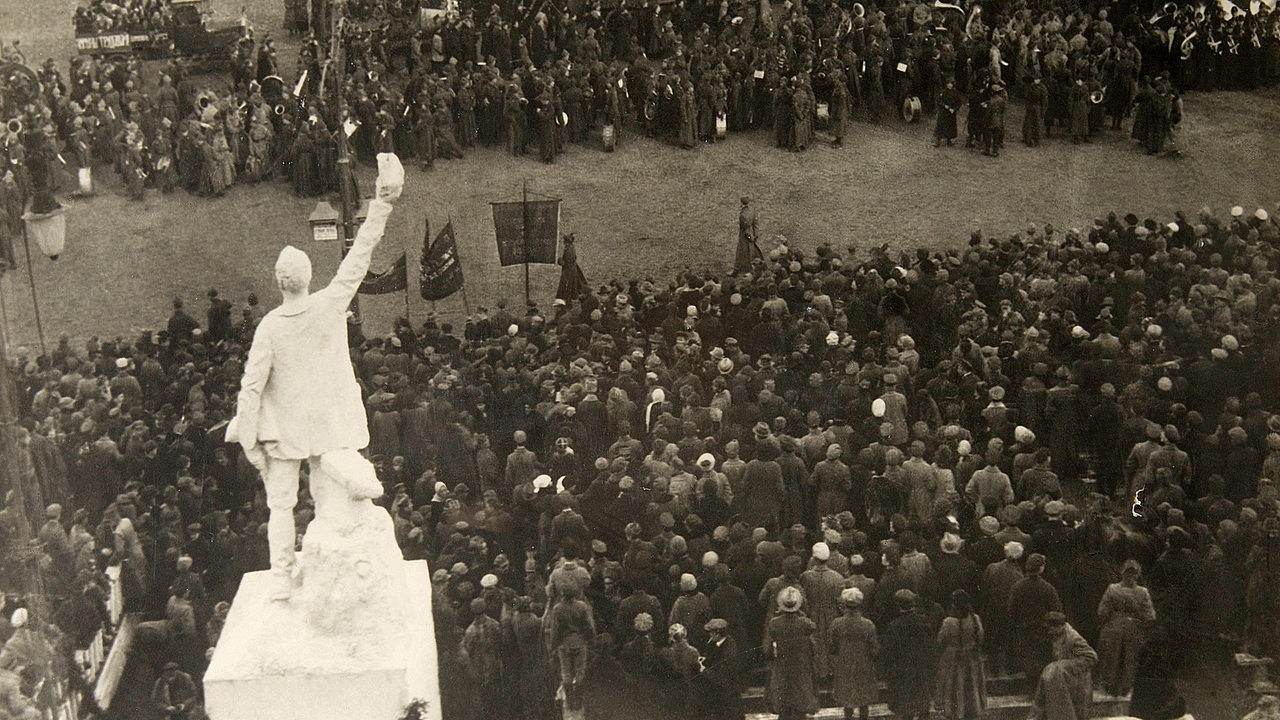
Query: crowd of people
(101, 17)
(1053, 453)
(591, 73)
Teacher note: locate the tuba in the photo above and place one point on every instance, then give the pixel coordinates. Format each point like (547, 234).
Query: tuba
(14, 126)
(279, 109)
(1165, 13)
(1187, 47)
(204, 99)
(1097, 96)
(859, 10)
(973, 17)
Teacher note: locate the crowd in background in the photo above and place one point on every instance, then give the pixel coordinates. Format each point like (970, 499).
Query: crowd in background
(105, 16)
(542, 78)
(1054, 453)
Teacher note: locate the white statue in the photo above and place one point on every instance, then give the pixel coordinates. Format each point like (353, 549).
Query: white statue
(299, 399)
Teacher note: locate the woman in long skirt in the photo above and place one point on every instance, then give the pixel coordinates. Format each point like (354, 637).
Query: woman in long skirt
(961, 678)
(573, 283)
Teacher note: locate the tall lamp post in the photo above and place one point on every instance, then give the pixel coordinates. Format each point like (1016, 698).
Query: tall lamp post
(45, 222)
(338, 56)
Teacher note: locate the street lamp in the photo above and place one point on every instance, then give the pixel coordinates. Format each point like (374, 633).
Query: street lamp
(324, 222)
(48, 229)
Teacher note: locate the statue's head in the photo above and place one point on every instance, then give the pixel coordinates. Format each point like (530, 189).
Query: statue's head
(293, 271)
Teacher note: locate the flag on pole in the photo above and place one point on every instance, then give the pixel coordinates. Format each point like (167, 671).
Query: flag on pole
(441, 274)
(526, 231)
(395, 279)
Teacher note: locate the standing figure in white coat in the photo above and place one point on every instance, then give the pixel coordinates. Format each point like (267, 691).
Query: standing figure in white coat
(298, 398)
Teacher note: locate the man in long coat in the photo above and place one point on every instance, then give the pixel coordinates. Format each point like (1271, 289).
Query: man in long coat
(1066, 683)
(748, 231)
(841, 104)
(822, 587)
(1029, 600)
(481, 652)
(995, 585)
(908, 655)
(762, 489)
(722, 673)
(852, 641)
(791, 681)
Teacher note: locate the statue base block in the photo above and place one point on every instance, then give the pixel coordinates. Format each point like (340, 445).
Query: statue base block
(271, 662)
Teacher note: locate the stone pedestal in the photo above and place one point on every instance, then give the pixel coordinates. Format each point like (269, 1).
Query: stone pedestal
(272, 661)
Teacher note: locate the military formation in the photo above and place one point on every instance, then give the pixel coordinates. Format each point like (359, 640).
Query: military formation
(687, 74)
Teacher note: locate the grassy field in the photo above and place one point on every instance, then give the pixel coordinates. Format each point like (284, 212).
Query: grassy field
(647, 210)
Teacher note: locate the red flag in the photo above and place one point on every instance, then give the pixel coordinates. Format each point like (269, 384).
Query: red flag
(395, 279)
(441, 273)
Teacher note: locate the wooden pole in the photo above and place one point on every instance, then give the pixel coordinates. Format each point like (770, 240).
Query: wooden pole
(339, 58)
(35, 299)
(11, 476)
(466, 305)
(524, 238)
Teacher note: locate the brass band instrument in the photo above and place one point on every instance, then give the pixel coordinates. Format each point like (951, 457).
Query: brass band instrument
(1187, 47)
(968, 23)
(14, 126)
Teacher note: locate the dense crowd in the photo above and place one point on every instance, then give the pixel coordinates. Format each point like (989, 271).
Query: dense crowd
(686, 72)
(105, 16)
(1053, 452)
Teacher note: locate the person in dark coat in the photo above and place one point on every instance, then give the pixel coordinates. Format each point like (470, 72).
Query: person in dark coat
(532, 665)
(546, 118)
(748, 233)
(1029, 600)
(997, 102)
(573, 283)
(1079, 100)
(792, 694)
(1033, 119)
(953, 571)
(1088, 577)
(908, 658)
(949, 102)
(1066, 684)
(721, 678)
(762, 489)
(840, 106)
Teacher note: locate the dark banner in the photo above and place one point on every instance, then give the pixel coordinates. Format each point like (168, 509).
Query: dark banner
(396, 279)
(441, 274)
(543, 224)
